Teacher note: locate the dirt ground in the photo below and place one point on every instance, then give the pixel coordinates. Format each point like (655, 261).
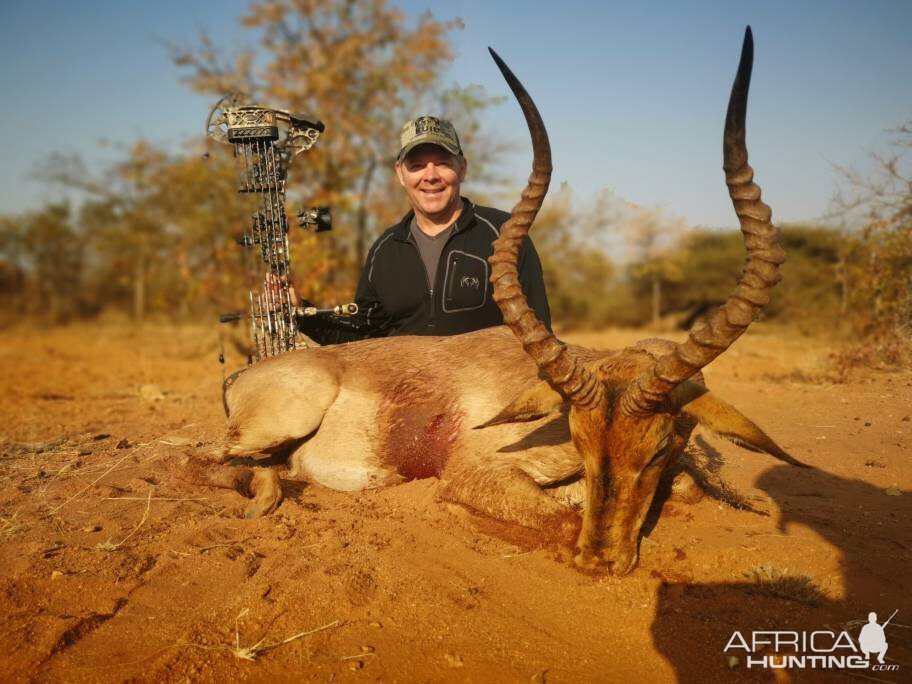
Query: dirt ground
(113, 570)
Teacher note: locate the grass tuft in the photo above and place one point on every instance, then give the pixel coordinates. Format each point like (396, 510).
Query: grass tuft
(10, 526)
(110, 546)
(778, 582)
(253, 652)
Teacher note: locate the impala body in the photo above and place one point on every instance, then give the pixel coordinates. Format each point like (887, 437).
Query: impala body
(500, 413)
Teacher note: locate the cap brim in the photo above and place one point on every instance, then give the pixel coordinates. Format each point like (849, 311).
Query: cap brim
(429, 140)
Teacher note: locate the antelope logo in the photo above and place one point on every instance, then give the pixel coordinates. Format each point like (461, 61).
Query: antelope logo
(470, 281)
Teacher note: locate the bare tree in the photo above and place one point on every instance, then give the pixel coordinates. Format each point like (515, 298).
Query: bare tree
(651, 234)
(362, 67)
(881, 202)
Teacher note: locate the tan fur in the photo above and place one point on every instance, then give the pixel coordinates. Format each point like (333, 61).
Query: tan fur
(399, 408)
(380, 412)
(626, 454)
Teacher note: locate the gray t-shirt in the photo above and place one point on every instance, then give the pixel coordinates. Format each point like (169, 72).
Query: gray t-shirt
(430, 248)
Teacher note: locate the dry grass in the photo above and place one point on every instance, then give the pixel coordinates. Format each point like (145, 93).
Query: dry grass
(109, 546)
(82, 491)
(800, 376)
(253, 651)
(704, 463)
(885, 352)
(10, 526)
(780, 583)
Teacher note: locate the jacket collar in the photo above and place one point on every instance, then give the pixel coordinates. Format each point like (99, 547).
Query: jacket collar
(466, 218)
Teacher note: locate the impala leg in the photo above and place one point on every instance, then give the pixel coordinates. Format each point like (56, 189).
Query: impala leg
(262, 485)
(510, 495)
(589, 543)
(266, 492)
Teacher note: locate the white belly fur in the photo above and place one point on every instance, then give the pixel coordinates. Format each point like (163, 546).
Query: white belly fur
(341, 454)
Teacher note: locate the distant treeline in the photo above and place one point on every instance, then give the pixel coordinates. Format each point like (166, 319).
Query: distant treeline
(844, 282)
(168, 254)
(154, 233)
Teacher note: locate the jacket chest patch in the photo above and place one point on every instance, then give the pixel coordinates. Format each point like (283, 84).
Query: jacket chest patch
(465, 282)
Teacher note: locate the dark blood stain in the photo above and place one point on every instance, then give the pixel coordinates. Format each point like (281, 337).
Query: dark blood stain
(419, 423)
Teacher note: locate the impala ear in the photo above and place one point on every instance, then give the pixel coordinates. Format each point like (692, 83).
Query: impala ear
(727, 421)
(538, 401)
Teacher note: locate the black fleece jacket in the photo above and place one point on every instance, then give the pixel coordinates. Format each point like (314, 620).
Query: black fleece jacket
(394, 296)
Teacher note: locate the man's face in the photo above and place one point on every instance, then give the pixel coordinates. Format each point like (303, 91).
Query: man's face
(431, 177)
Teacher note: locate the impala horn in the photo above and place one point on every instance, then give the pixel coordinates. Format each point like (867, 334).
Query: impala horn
(557, 363)
(761, 270)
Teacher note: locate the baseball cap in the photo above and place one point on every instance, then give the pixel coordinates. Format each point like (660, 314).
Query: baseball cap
(428, 130)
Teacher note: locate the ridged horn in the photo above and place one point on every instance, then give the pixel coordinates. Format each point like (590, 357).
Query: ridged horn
(761, 270)
(557, 363)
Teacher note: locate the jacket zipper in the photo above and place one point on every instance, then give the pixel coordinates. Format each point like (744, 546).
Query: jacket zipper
(430, 290)
(441, 274)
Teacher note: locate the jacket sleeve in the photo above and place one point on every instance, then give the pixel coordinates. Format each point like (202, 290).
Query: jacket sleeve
(370, 321)
(533, 282)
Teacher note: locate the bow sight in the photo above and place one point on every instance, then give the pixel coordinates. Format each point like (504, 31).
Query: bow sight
(267, 141)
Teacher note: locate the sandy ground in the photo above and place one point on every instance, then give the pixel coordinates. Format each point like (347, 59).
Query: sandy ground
(113, 570)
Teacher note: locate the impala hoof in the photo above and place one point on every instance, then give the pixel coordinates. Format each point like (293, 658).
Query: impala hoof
(267, 493)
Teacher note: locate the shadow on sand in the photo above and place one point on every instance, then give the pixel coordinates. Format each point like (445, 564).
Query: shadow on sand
(871, 532)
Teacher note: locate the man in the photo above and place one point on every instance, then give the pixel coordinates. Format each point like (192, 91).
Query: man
(872, 639)
(428, 274)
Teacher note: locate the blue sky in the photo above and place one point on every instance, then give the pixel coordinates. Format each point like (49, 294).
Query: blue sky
(633, 93)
